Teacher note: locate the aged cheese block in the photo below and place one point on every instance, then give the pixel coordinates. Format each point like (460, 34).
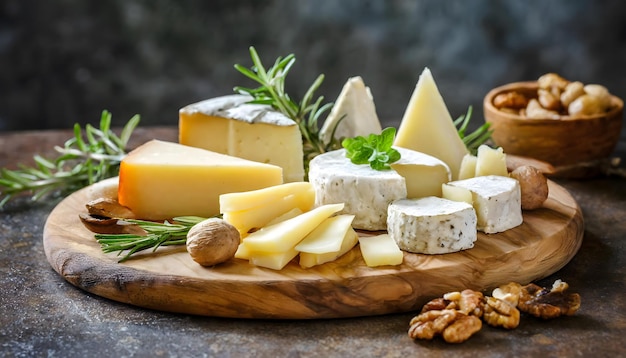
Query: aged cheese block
(432, 225)
(380, 250)
(428, 127)
(231, 126)
(497, 201)
(354, 113)
(365, 192)
(161, 180)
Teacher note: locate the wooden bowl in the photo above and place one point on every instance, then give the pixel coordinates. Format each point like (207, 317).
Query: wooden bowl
(566, 143)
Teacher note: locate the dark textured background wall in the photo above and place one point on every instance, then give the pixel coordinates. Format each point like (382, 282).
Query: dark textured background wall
(64, 61)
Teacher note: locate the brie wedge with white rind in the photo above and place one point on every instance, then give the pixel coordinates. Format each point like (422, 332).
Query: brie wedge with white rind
(497, 201)
(354, 113)
(432, 225)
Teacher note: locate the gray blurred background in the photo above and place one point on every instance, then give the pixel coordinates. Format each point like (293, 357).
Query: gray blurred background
(64, 61)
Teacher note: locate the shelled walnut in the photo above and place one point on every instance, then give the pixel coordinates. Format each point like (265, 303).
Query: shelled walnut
(457, 315)
(556, 97)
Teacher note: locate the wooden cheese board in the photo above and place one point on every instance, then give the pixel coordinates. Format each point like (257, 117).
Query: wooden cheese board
(169, 280)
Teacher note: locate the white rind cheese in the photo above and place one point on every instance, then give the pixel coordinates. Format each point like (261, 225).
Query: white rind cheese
(354, 113)
(365, 192)
(432, 225)
(497, 201)
(230, 125)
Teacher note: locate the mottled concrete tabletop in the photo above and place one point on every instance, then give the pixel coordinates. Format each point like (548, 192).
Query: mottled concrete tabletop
(43, 315)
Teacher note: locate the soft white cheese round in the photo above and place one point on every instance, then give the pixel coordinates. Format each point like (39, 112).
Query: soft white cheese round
(432, 225)
(365, 192)
(497, 200)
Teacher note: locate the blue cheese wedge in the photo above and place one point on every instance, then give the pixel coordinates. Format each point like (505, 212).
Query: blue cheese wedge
(497, 201)
(432, 225)
(365, 192)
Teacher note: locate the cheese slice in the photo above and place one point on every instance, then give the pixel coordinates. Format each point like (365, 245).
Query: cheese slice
(423, 174)
(428, 127)
(354, 113)
(230, 125)
(497, 201)
(260, 216)
(380, 250)
(160, 180)
(285, 235)
(328, 236)
(263, 197)
(274, 261)
(432, 225)
(350, 239)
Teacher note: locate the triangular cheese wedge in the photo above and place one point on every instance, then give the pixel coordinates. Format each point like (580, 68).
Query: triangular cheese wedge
(355, 112)
(428, 127)
(161, 180)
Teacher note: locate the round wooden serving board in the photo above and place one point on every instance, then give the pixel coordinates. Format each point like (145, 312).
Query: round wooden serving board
(169, 280)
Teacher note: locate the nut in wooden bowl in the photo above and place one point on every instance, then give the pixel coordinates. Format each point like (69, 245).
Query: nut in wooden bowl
(556, 121)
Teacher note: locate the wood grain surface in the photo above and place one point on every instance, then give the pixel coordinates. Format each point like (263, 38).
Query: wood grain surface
(169, 280)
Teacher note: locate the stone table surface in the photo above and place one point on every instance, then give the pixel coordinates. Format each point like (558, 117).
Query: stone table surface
(43, 315)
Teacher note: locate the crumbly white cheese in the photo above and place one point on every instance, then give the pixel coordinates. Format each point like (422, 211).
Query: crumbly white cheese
(497, 201)
(365, 192)
(432, 225)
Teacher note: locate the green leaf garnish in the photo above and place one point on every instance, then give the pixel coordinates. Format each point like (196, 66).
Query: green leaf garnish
(374, 150)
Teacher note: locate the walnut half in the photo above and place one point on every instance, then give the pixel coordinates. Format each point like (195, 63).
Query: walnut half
(453, 325)
(548, 303)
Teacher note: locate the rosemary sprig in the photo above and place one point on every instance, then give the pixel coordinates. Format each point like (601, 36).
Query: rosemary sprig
(306, 113)
(157, 235)
(473, 140)
(82, 161)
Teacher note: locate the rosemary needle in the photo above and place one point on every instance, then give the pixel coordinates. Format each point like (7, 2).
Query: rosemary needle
(168, 233)
(81, 162)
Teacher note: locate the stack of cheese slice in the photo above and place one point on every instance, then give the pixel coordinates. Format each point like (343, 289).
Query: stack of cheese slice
(230, 125)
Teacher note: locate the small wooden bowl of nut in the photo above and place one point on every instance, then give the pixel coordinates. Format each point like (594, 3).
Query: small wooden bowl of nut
(573, 126)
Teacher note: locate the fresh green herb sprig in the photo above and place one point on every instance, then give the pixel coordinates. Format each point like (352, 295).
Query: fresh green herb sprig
(81, 162)
(374, 150)
(306, 112)
(475, 139)
(168, 233)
